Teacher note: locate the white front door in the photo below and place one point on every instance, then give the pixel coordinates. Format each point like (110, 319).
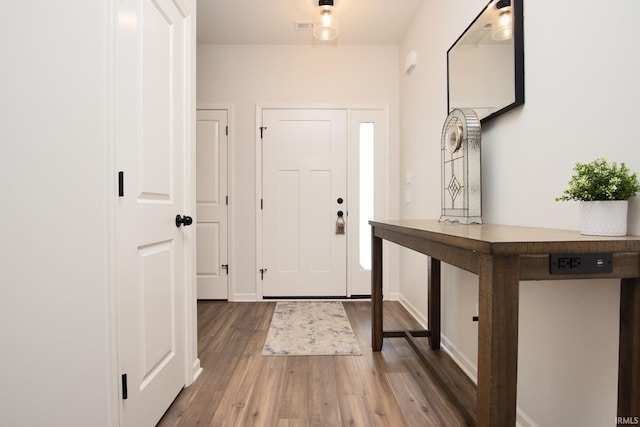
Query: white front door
(150, 135)
(212, 201)
(304, 188)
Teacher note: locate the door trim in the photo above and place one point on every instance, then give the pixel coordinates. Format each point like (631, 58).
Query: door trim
(259, 296)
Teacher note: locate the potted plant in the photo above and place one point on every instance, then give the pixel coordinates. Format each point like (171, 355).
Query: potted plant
(603, 189)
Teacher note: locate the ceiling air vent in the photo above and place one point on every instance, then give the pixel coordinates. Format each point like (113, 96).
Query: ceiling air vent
(303, 25)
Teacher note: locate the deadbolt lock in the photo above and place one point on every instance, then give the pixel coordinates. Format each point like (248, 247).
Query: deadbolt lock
(340, 223)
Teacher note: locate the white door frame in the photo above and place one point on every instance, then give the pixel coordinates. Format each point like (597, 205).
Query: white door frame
(384, 173)
(231, 149)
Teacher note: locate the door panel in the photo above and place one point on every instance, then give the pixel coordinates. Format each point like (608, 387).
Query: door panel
(209, 264)
(322, 219)
(288, 244)
(157, 283)
(304, 173)
(156, 138)
(150, 144)
(211, 196)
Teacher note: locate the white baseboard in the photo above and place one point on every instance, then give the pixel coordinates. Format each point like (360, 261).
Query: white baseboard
(467, 366)
(470, 368)
(395, 296)
(414, 312)
(523, 420)
(252, 297)
(196, 370)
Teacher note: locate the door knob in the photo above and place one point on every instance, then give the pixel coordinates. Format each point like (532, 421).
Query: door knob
(186, 220)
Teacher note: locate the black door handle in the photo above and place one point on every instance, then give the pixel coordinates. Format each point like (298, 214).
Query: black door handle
(186, 220)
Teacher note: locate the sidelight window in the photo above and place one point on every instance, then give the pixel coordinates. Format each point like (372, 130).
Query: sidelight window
(366, 179)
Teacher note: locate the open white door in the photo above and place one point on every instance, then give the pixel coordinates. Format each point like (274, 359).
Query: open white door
(211, 199)
(150, 110)
(304, 191)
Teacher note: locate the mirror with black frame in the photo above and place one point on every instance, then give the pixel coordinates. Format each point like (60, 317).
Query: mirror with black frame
(485, 65)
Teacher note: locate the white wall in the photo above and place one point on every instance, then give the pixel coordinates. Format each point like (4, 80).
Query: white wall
(54, 181)
(581, 99)
(245, 76)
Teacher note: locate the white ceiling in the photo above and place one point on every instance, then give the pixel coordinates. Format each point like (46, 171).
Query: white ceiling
(361, 22)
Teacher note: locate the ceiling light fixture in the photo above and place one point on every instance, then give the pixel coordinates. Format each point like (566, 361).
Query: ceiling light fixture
(502, 25)
(326, 26)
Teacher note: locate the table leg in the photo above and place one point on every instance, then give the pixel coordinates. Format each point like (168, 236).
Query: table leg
(434, 303)
(498, 341)
(376, 291)
(629, 350)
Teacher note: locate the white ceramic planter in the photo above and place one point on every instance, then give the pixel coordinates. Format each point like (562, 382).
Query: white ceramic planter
(604, 217)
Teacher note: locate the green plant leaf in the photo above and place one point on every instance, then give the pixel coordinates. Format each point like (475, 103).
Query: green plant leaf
(601, 180)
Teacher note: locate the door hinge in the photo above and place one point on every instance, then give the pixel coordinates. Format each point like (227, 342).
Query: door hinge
(262, 129)
(121, 184)
(226, 130)
(262, 271)
(226, 267)
(125, 393)
(226, 200)
(261, 204)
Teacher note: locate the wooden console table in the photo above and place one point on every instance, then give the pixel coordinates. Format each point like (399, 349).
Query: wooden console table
(502, 256)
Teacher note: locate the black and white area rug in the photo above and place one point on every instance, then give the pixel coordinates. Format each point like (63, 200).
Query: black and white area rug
(303, 328)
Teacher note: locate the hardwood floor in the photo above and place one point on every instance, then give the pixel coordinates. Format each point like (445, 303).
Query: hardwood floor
(239, 387)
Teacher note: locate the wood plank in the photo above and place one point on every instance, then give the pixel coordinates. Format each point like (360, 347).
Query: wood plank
(386, 411)
(376, 291)
(264, 395)
(294, 402)
(498, 341)
(359, 314)
(200, 401)
(463, 257)
(355, 411)
(324, 402)
(416, 409)
(448, 413)
(629, 350)
(507, 239)
(240, 387)
(284, 422)
(231, 409)
(454, 383)
(348, 380)
(433, 291)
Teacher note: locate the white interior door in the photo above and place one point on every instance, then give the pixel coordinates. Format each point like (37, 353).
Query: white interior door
(304, 176)
(150, 109)
(211, 196)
